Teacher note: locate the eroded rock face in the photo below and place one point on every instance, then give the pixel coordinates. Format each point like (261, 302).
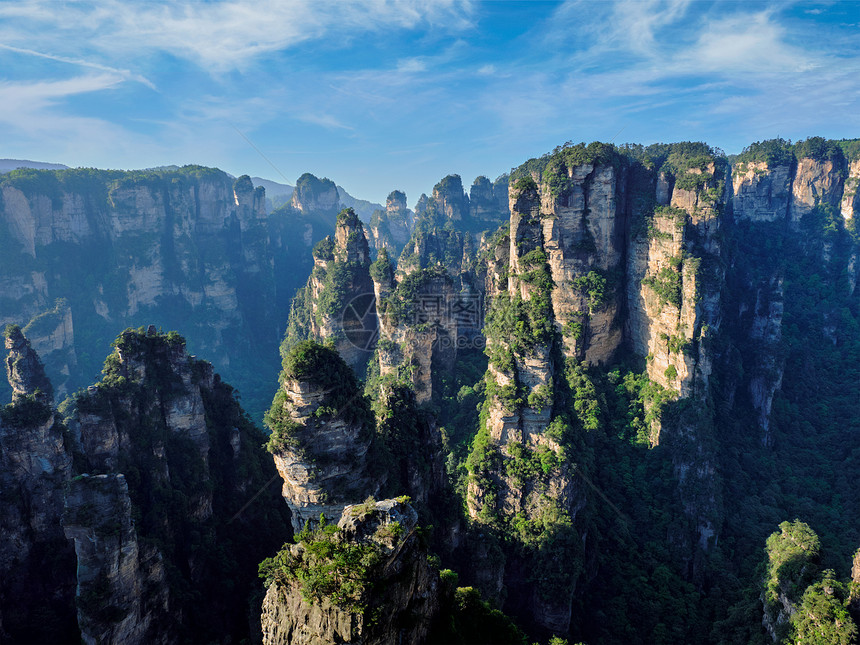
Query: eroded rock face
(451, 199)
(583, 232)
(391, 228)
(121, 595)
(162, 435)
(36, 563)
(488, 202)
(400, 605)
(188, 247)
(761, 193)
(521, 382)
(673, 285)
(815, 182)
(24, 370)
(338, 302)
(315, 195)
(418, 335)
(324, 439)
(850, 201)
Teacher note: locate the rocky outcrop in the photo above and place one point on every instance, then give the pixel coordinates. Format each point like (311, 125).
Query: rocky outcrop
(314, 195)
(850, 204)
(816, 183)
(401, 595)
(167, 462)
(188, 246)
(674, 275)
(24, 369)
(451, 199)
(488, 202)
(36, 564)
(121, 595)
(761, 193)
(419, 327)
(582, 217)
(338, 301)
(391, 228)
(520, 428)
(322, 435)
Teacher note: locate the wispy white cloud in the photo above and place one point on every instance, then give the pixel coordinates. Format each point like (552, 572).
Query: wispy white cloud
(82, 63)
(221, 35)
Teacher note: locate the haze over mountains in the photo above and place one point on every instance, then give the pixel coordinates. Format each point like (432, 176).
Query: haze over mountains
(611, 397)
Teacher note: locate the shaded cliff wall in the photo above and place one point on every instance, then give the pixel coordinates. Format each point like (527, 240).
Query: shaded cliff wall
(36, 562)
(158, 513)
(85, 253)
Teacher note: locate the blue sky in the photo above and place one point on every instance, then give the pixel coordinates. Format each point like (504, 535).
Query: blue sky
(385, 94)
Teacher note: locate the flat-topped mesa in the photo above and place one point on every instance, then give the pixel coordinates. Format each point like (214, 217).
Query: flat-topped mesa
(314, 195)
(390, 595)
(24, 369)
(322, 435)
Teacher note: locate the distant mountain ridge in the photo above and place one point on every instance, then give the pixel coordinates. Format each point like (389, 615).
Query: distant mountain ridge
(11, 164)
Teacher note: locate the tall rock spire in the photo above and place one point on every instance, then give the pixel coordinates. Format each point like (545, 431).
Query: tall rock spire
(24, 369)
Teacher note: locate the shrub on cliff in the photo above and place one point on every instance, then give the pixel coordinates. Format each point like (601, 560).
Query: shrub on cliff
(322, 366)
(326, 566)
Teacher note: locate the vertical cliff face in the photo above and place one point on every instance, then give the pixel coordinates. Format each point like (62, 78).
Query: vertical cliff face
(523, 459)
(488, 201)
(817, 182)
(393, 595)
(315, 195)
(338, 301)
(167, 463)
(24, 369)
(189, 247)
(451, 199)
(583, 228)
(761, 192)
(36, 564)
(674, 278)
(390, 229)
(322, 435)
(122, 596)
(419, 329)
(850, 203)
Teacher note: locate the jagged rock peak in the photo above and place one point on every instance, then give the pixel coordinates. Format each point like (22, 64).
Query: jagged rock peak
(396, 201)
(450, 198)
(350, 240)
(315, 195)
(24, 369)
